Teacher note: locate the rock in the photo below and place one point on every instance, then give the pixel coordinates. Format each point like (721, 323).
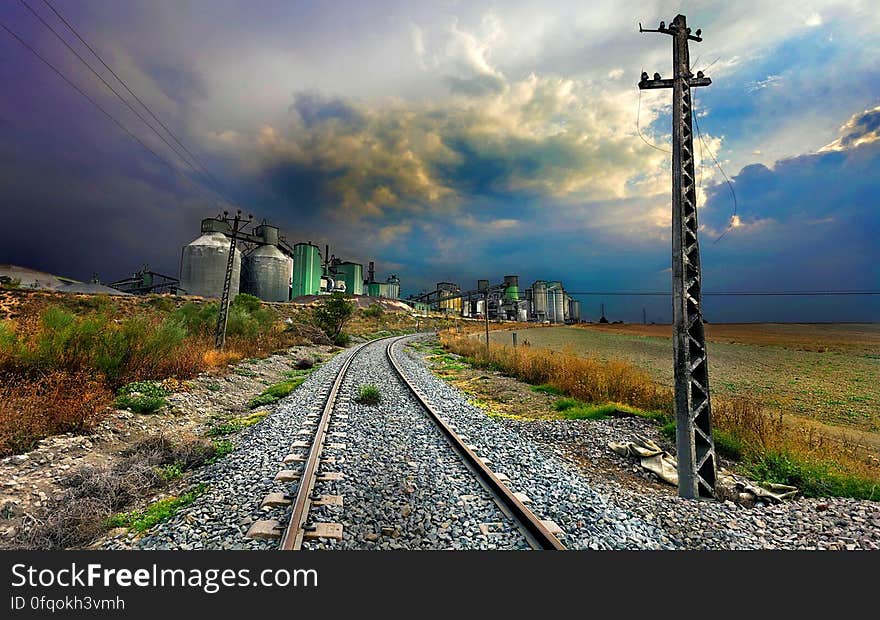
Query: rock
(821, 507)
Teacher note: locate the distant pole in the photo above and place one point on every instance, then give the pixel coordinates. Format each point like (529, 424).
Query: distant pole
(514, 339)
(645, 316)
(223, 313)
(486, 312)
(696, 449)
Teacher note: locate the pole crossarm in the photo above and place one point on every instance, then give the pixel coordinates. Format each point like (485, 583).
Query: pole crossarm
(693, 429)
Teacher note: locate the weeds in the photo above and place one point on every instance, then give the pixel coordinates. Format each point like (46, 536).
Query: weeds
(368, 395)
(237, 424)
(274, 393)
(141, 397)
(142, 520)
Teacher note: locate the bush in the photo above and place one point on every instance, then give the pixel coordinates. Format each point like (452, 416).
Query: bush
(368, 395)
(332, 314)
(56, 402)
(141, 397)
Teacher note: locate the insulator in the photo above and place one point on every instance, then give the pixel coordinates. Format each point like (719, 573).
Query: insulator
(656, 76)
(699, 32)
(699, 74)
(662, 25)
(644, 76)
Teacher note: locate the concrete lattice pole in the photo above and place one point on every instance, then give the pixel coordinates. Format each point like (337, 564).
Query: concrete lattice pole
(694, 444)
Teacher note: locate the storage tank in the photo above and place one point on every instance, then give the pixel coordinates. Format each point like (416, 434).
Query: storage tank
(353, 276)
(306, 269)
(267, 272)
(511, 288)
(393, 287)
(373, 289)
(482, 285)
(203, 266)
(574, 311)
(539, 299)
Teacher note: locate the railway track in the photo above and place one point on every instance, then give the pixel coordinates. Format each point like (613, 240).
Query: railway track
(300, 528)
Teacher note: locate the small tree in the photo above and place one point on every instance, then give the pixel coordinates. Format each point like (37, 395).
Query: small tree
(332, 314)
(375, 311)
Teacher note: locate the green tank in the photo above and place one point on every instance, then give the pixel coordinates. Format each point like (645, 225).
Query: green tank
(373, 289)
(511, 288)
(306, 270)
(353, 276)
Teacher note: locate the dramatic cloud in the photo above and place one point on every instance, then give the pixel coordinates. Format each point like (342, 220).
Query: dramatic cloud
(453, 141)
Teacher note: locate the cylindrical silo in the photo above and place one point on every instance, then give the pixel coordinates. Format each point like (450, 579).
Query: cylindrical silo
(203, 266)
(353, 275)
(574, 311)
(560, 306)
(267, 272)
(539, 299)
(373, 289)
(306, 269)
(393, 287)
(511, 287)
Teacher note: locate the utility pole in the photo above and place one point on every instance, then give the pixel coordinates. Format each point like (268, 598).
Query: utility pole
(644, 316)
(223, 315)
(693, 434)
(486, 311)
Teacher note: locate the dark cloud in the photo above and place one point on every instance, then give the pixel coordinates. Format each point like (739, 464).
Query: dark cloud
(314, 108)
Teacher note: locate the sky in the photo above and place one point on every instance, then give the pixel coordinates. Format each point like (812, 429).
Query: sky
(451, 141)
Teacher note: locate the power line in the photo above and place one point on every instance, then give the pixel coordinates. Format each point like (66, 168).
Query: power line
(639, 128)
(86, 96)
(720, 169)
(731, 293)
(140, 101)
(106, 83)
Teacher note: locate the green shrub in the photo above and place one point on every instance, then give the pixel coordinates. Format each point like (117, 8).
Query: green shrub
(142, 520)
(222, 447)
(368, 395)
(262, 400)
(547, 389)
(141, 397)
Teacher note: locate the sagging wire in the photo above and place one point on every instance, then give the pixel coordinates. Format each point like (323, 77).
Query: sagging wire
(639, 128)
(720, 169)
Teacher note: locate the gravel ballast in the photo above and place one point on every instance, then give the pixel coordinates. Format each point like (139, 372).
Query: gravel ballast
(405, 488)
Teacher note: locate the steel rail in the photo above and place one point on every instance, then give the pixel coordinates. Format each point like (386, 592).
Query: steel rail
(536, 532)
(293, 534)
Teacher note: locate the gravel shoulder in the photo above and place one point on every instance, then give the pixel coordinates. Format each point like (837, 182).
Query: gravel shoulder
(622, 486)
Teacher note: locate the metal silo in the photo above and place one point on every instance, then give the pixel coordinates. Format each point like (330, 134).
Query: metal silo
(306, 269)
(560, 305)
(393, 287)
(267, 272)
(203, 266)
(539, 299)
(373, 289)
(511, 288)
(353, 275)
(574, 310)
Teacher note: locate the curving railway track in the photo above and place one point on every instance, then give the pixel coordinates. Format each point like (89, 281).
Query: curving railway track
(322, 452)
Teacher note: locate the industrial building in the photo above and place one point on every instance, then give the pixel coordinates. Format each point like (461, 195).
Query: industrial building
(543, 302)
(267, 266)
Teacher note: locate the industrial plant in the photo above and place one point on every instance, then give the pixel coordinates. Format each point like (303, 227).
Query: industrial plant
(270, 268)
(543, 302)
(273, 270)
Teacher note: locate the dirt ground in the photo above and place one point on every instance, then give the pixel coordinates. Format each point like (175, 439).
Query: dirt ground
(32, 482)
(779, 364)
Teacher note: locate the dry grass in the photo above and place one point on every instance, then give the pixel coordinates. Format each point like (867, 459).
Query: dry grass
(768, 447)
(584, 378)
(57, 402)
(94, 493)
(58, 369)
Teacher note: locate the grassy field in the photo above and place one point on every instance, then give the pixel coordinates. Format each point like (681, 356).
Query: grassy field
(827, 373)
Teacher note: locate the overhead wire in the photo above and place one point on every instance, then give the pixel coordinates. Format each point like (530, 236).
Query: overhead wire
(85, 95)
(174, 137)
(720, 169)
(105, 82)
(639, 128)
